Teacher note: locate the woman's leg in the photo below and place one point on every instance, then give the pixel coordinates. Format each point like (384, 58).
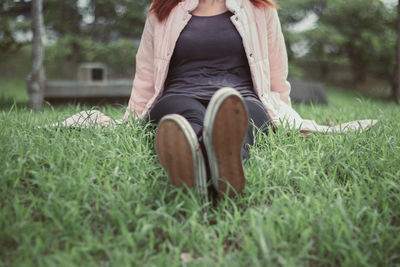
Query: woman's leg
(193, 110)
(258, 117)
(190, 108)
(180, 120)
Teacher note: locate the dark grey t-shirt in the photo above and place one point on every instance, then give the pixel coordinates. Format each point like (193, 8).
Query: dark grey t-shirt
(208, 55)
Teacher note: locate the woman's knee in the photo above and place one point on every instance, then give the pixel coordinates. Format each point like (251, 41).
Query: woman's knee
(258, 115)
(190, 108)
(175, 104)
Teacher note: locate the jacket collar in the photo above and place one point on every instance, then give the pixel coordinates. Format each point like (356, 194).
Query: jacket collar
(231, 5)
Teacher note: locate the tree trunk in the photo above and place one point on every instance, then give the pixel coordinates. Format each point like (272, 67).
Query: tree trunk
(397, 91)
(36, 79)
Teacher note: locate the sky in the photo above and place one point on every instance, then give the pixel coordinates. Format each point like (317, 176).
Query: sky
(310, 21)
(389, 2)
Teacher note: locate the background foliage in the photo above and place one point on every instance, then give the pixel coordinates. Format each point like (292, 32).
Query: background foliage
(348, 43)
(352, 42)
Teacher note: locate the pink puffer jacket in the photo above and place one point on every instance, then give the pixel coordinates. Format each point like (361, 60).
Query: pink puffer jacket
(262, 39)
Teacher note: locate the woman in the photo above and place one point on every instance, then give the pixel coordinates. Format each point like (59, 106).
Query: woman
(188, 51)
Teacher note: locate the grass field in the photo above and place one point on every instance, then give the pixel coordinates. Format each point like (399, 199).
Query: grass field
(99, 196)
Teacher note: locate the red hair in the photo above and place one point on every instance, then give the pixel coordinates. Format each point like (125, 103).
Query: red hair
(162, 8)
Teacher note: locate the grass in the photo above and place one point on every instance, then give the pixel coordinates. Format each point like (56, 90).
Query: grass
(99, 196)
(13, 90)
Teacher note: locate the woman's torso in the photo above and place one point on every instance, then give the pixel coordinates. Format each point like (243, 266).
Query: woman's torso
(209, 55)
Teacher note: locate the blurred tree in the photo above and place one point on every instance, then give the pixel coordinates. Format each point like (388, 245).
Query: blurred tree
(293, 12)
(115, 19)
(36, 79)
(13, 20)
(63, 19)
(396, 92)
(352, 31)
(358, 33)
(101, 20)
(98, 22)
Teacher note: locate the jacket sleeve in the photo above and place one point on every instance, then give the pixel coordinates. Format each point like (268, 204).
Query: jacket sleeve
(277, 56)
(143, 83)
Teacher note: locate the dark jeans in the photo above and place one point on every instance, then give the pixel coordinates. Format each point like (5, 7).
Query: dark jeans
(194, 110)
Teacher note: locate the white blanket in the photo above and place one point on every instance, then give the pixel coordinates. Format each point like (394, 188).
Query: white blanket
(94, 117)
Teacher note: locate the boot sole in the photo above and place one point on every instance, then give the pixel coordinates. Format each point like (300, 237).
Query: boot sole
(225, 127)
(180, 155)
